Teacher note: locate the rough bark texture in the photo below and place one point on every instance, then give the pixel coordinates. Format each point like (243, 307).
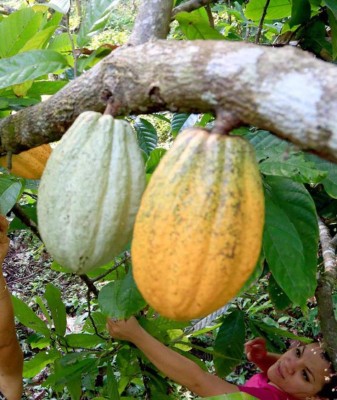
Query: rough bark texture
(324, 293)
(284, 90)
(190, 6)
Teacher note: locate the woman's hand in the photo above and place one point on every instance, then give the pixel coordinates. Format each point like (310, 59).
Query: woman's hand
(256, 350)
(123, 329)
(4, 241)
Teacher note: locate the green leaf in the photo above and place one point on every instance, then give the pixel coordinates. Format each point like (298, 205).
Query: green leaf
(332, 6)
(57, 308)
(146, 135)
(96, 15)
(330, 182)
(30, 211)
(300, 12)
(112, 386)
(36, 364)
(121, 299)
(84, 340)
(75, 389)
(40, 88)
(17, 29)
(280, 300)
(290, 241)
(333, 26)
(28, 318)
(195, 25)
(39, 40)
(292, 165)
(177, 123)
(10, 192)
(29, 65)
(152, 162)
(229, 343)
(277, 9)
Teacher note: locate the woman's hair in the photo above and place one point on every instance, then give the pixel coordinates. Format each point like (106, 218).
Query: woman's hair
(329, 390)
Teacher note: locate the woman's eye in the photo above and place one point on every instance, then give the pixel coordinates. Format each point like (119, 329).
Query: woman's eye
(298, 352)
(305, 375)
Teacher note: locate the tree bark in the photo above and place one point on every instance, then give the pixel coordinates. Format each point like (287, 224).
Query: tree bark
(284, 90)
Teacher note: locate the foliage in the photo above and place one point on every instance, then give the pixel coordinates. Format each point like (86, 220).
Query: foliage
(39, 54)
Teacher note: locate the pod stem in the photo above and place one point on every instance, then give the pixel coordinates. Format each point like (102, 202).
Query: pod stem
(225, 122)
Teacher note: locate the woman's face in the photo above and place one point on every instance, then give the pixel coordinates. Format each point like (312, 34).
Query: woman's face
(301, 371)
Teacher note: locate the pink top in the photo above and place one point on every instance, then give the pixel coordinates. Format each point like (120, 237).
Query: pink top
(259, 387)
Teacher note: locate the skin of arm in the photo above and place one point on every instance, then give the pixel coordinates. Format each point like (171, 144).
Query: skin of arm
(175, 366)
(11, 358)
(256, 352)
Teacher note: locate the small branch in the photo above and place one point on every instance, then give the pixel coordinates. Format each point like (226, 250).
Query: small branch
(73, 50)
(90, 316)
(152, 21)
(210, 16)
(126, 257)
(23, 217)
(143, 368)
(259, 30)
(91, 287)
(324, 293)
(190, 6)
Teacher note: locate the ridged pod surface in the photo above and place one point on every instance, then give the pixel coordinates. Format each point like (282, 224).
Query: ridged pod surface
(29, 164)
(198, 232)
(90, 192)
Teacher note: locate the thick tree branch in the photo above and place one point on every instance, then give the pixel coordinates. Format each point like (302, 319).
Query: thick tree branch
(152, 22)
(324, 293)
(284, 90)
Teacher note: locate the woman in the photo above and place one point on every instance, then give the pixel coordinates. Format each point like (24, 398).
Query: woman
(11, 358)
(301, 373)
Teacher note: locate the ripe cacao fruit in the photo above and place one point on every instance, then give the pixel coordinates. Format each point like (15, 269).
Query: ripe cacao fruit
(29, 164)
(90, 192)
(198, 231)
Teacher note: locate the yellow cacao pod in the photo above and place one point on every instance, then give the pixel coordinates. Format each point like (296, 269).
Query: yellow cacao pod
(29, 164)
(90, 192)
(198, 232)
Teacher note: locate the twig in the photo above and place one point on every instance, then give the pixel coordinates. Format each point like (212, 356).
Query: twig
(91, 287)
(73, 50)
(324, 293)
(259, 30)
(210, 16)
(91, 318)
(142, 367)
(18, 212)
(126, 257)
(190, 6)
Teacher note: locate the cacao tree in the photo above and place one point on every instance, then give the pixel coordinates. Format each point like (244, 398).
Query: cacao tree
(269, 64)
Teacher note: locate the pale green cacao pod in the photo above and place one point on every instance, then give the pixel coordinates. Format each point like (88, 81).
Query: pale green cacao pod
(90, 192)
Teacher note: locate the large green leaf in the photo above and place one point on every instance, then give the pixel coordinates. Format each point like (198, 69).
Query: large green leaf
(292, 165)
(121, 299)
(280, 300)
(330, 182)
(154, 159)
(146, 135)
(28, 318)
(290, 241)
(195, 25)
(83, 340)
(333, 26)
(57, 308)
(300, 12)
(39, 40)
(177, 122)
(29, 65)
(332, 6)
(229, 343)
(112, 385)
(10, 191)
(96, 15)
(277, 9)
(17, 29)
(36, 364)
